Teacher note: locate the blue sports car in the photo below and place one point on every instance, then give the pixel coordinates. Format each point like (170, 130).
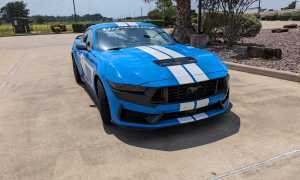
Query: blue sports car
(143, 78)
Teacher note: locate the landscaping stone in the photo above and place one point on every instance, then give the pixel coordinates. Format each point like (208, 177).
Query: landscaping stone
(288, 42)
(272, 53)
(255, 52)
(280, 30)
(199, 40)
(291, 26)
(262, 52)
(242, 51)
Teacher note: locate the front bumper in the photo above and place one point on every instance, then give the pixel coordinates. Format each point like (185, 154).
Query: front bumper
(171, 111)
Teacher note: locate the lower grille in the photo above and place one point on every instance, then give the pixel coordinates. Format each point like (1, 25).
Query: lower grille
(191, 112)
(143, 118)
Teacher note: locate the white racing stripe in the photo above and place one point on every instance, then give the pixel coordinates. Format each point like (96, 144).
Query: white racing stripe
(178, 71)
(158, 55)
(200, 116)
(132, 23)
(170, 52)
(193, 68)
(196, 72)
(121, 24)
(202, 103)
(184, 120)
(187, 106)
(181, 75)
(88, 70)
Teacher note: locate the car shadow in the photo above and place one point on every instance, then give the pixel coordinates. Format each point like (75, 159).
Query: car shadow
(178, 137)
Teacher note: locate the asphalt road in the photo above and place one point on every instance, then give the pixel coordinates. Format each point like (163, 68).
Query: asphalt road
(50, 128)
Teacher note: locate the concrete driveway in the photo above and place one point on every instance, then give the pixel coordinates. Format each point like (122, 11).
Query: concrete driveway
(50, 128)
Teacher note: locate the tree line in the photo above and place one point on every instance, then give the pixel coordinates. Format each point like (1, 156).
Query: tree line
(18, 9)
(39, 19)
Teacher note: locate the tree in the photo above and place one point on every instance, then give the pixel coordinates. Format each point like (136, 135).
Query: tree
(163, 4)
(155, 14)
(292, 5)
(39, 19)
(16, 9)
(183, 28)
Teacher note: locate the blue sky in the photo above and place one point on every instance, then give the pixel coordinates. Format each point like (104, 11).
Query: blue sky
(109, 8)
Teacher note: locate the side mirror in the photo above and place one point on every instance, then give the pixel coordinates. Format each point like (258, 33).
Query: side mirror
(84, 38)
(81, 47)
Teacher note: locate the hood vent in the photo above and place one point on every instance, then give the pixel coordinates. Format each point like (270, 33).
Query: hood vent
(175, 61)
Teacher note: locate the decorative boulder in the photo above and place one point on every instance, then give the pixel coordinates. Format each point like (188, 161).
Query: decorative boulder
(255, 52)
(272, 53)
(280, 30)
(262, 52)
(291, 26)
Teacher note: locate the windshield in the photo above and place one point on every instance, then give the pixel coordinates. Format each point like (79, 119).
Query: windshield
(117, 38)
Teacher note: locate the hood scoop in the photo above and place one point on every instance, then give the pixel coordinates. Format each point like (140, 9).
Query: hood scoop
(175, 61)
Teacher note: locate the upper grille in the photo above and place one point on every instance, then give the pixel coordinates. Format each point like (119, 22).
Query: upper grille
(190, 92)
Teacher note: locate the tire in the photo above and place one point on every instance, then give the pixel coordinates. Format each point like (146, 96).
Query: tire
(76, 72)
(102, 103)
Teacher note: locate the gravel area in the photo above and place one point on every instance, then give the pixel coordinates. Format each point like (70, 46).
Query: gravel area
(277, 24)
(289, 42)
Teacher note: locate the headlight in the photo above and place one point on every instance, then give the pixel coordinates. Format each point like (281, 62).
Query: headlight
(127, 88)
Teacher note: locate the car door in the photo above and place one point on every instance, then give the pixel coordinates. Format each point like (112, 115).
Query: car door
(87, 59)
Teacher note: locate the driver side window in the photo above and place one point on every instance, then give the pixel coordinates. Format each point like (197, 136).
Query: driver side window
(87, 39)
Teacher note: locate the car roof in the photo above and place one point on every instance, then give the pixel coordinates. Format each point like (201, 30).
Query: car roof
(121, 24)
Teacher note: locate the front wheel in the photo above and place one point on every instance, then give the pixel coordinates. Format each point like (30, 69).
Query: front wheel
(102, 103)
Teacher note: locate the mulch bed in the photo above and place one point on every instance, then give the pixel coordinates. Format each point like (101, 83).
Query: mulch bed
(289, 42)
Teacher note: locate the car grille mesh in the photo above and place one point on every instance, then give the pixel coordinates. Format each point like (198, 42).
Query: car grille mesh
(191, 92)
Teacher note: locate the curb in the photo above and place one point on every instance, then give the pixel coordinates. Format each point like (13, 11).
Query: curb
(264, 71)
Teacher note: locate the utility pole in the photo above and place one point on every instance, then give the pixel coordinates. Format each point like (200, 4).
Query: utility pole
(74, 8)
(199, 17)
(259, 7)
(164, 12)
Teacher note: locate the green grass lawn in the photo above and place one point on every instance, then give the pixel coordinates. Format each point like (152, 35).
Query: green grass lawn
(46, 28)
(7, 29)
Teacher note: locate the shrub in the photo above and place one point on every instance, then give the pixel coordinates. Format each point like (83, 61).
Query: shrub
(270, 17)
(283, 16)
(154, 14)
(251, 26)
(230, 16)
(169, 17)
(58, 28)
(216, 26)
(80, 28)
(158, 22)
(295, 16)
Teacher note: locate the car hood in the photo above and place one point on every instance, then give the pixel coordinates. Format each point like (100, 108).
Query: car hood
(137, 67)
